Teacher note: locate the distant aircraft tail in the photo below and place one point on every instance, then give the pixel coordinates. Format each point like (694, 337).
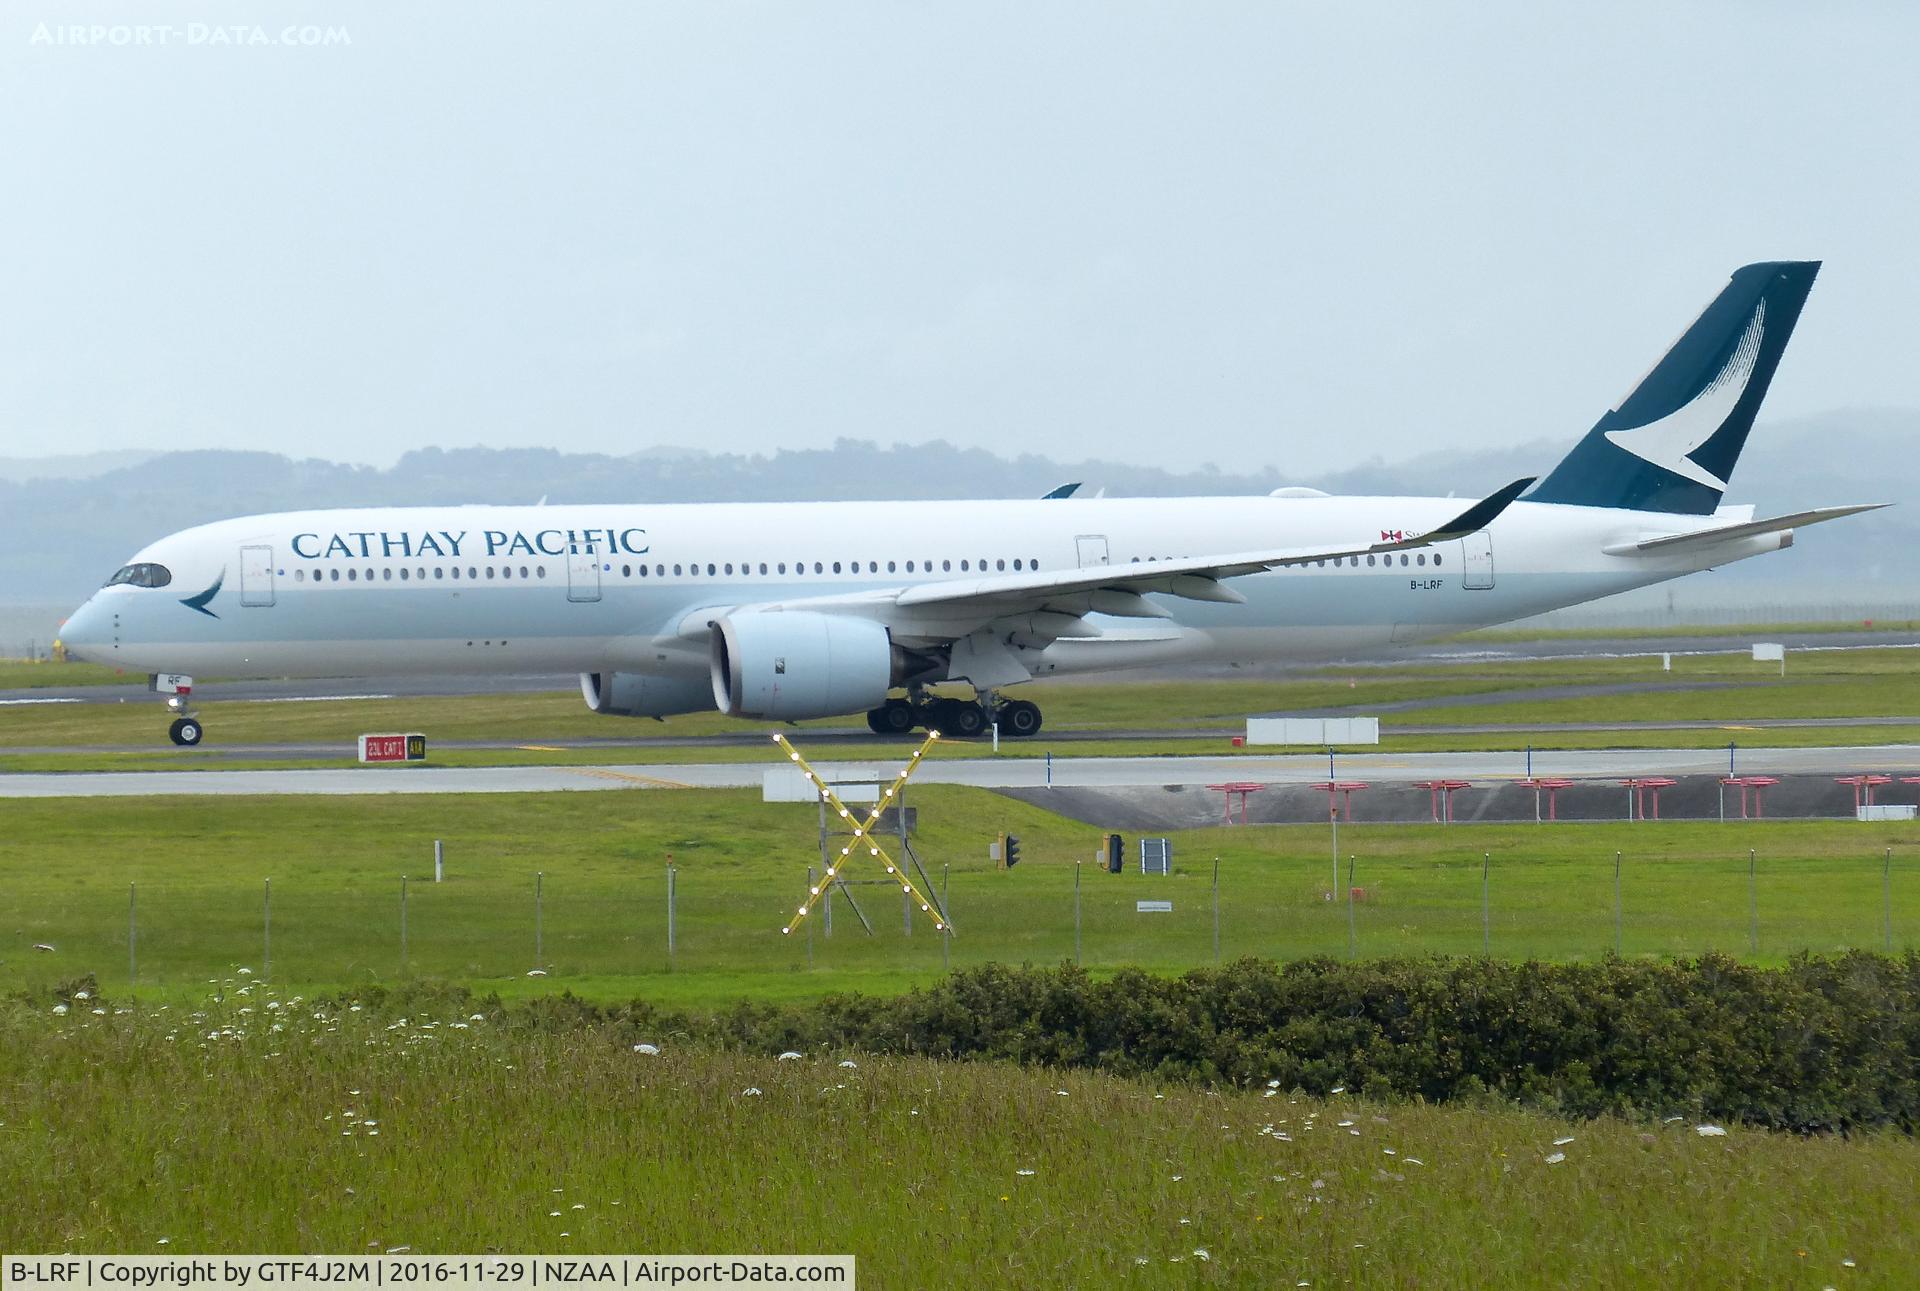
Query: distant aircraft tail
(1672, 443)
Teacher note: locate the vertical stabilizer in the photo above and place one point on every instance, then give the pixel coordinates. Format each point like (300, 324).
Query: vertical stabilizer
(1672, 443)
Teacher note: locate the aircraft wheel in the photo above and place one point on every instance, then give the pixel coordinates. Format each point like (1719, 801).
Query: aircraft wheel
(185, 732)
(896, 717)
(1020, 718)
(959, 718)
(876, 720)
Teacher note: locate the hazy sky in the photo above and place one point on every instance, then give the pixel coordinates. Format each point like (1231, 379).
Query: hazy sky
(1163, 233)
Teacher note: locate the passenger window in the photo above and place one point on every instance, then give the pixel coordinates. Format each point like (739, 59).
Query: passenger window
(676, 571)
(439, 572)
(1420, 559)
(1016, 561)
(386, 575)
(1436, 557)
(890, 567)
(999, 564)
(763, 566)
(909, 567)
(403, 575)
(963, 566)
(709, 569)
(539, 571)
(782, 567)
(818, 568)
(472, 572)
(836, 566)
(490, 574)
(729, 567)
(334, 575)
(947, 566)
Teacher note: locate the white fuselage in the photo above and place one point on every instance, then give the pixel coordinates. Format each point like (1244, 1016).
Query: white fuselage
(486, 589)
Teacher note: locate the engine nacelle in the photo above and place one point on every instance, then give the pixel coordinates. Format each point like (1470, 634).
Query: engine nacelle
(799, 665)
(637, 694)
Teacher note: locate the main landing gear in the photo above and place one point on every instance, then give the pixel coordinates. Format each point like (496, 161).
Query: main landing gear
(965, 719)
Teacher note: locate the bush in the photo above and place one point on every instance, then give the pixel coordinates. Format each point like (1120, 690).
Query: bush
(1820, 1044)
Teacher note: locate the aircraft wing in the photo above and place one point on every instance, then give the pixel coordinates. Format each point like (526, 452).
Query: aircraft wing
(1727, 533)
(956, 607)
(1197, 578)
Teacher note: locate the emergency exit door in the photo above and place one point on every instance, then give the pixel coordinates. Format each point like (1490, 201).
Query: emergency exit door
(1476, 561)
(583, 573)
(1092, 548)
(256, 576)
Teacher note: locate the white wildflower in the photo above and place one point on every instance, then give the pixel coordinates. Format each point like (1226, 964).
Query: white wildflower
(1710, 1131)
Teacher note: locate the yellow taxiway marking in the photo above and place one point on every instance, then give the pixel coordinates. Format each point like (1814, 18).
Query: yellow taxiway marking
(652, 781)
(539, 748)
(1739, 728)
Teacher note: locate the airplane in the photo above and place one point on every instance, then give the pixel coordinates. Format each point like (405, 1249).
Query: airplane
(789, 611)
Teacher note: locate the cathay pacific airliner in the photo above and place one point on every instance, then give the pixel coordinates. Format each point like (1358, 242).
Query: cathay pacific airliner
(784, 611)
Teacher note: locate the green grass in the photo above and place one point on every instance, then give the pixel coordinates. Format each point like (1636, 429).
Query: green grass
(258, 1124)
(1868, 683)
(200, 866)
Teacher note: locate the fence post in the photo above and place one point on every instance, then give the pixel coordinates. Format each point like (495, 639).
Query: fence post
(1616, 903)
(946, 931)
(1886, 902)
(133, 930)
(1352, 935)
(1076, 913)
(670, 875)
(266, 934)
(539, 941)
(1753, 907)
(1216, 909)
(1486, 905)
(403, 925)
(809, 922)
(439, 855)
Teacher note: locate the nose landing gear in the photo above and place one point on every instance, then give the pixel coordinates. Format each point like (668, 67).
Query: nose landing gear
(186, 729)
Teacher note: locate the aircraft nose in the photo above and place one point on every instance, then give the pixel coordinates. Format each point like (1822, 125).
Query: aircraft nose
(88, 633)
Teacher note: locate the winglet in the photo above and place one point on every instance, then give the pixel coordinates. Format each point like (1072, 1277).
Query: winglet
(1474, 518)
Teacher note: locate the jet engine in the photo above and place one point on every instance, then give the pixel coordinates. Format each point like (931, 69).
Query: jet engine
(789, 666)
(639, 694)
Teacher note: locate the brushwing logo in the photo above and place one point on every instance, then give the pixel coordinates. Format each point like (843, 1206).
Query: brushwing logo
(199, 602)
(1667, 442)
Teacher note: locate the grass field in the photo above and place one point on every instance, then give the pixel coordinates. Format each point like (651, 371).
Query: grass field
(1819, 686)
(200, 867)
(266, 1123)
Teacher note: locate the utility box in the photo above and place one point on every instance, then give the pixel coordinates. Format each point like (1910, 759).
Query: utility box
(1113, 853)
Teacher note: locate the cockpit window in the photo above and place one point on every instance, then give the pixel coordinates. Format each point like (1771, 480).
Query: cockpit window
(142, 575)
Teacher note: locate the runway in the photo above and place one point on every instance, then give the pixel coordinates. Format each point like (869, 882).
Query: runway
(1459, 653)
(985, 773)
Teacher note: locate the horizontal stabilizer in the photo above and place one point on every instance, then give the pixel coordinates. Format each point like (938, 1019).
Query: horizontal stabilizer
(1731, 532)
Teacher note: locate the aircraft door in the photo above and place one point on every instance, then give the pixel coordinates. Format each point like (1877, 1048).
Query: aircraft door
(256, 576)
(1092, 548)
(1476, 561)
(583, 573)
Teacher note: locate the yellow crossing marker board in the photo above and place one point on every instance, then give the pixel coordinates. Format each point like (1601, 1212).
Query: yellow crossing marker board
(863, 835)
